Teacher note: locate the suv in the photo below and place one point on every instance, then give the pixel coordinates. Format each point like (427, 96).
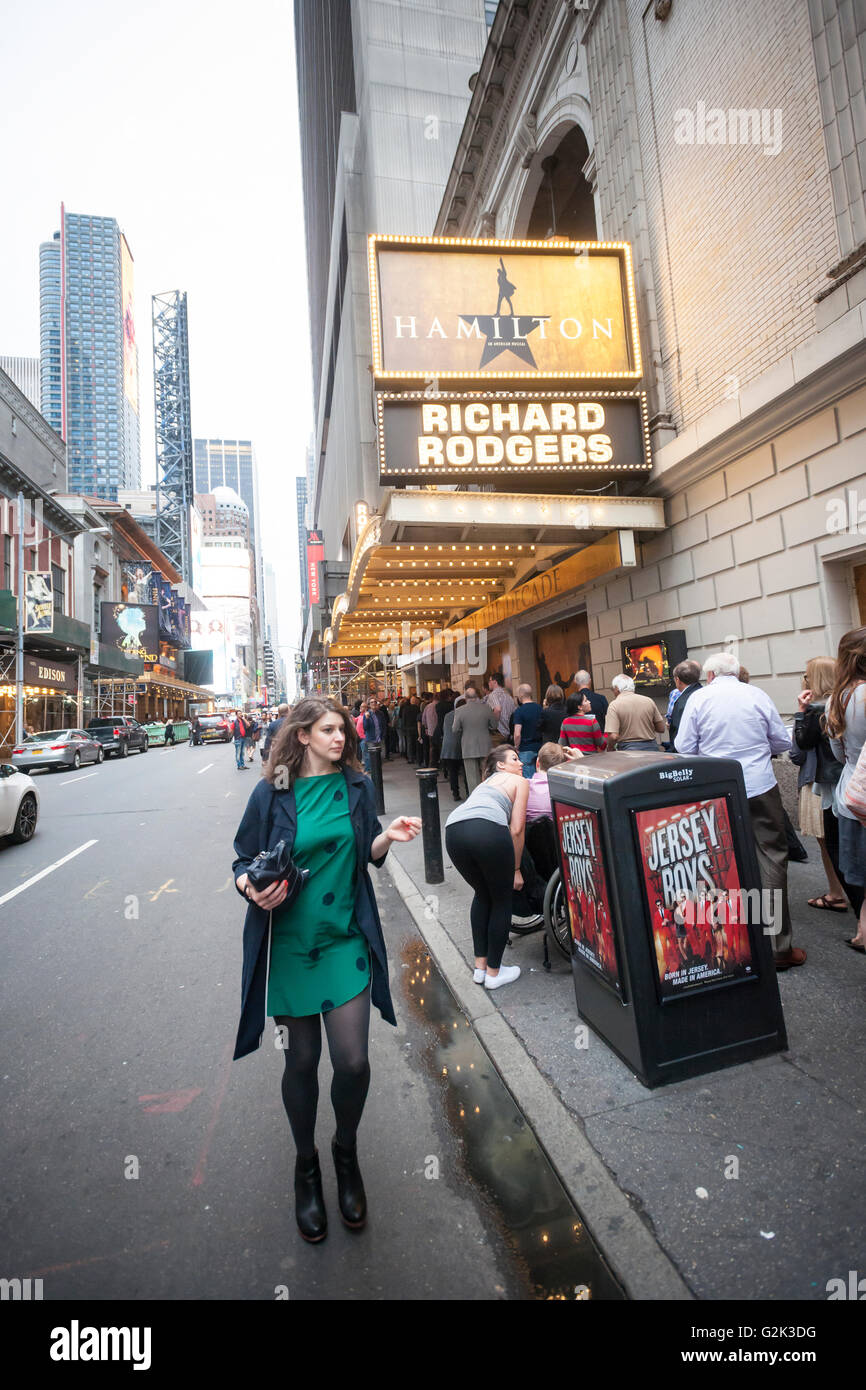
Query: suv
(215, 728)
(119, 736)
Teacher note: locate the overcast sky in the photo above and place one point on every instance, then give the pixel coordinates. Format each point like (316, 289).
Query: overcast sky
(179, 118)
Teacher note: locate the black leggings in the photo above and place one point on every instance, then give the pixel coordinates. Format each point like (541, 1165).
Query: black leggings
(347, 1028)
(482, 852)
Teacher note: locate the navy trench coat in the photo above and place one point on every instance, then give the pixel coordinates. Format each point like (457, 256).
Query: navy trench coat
(249, 842)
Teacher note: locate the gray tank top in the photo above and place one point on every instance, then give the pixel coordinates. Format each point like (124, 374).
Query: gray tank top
(484, 803)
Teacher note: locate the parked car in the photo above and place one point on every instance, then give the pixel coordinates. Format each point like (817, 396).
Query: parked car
(19, 804)
(119, 736)
(55, 749)
(215, 728)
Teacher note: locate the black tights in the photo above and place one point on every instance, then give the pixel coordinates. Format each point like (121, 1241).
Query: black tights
(482, 852)
(347, 1028)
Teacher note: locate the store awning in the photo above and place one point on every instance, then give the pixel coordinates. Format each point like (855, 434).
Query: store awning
(169, 685)
(432, 557)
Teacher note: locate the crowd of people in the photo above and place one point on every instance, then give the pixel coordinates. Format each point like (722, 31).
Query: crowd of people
(321, 955)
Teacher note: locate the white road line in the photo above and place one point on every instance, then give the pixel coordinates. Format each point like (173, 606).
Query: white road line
(67, 781)
(204, 769)
(50, 870)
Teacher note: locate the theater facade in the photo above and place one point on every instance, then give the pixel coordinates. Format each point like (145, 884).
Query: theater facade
(624, 397)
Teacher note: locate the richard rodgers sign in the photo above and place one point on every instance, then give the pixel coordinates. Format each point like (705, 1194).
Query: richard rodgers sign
(467, 435)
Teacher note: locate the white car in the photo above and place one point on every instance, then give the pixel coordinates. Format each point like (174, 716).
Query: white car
(19, 804)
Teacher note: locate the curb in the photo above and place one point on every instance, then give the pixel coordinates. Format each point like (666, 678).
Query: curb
(637, 1260)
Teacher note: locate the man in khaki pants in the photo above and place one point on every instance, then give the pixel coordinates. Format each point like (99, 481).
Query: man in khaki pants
(475, 723)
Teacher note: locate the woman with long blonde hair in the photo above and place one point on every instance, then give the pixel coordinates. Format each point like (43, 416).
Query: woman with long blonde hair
(846, 725)
(324, 956)
(819, 773)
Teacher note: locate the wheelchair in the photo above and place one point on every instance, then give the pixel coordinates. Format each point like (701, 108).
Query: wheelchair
(543, 886)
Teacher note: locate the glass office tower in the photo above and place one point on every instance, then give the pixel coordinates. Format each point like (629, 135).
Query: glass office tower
(89, 352)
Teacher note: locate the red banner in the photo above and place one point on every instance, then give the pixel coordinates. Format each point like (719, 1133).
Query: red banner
(694, 897)
(315, 556)
(586, 890)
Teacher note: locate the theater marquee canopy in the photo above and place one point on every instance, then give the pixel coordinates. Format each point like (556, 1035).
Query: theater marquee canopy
(461, 308)
(432, 558)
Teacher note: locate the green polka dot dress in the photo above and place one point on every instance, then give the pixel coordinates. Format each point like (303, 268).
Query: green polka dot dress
(319, 955)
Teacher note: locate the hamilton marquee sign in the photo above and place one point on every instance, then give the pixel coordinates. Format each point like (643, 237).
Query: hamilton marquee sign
(454, 307)
(470, 436)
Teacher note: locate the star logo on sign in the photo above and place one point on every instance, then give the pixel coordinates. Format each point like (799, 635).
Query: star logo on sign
(506, 332)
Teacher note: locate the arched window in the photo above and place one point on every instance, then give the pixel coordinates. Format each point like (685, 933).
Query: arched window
(564, 204)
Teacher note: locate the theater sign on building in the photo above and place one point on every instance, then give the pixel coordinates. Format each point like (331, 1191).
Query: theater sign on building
(682, 130)
(513, 442)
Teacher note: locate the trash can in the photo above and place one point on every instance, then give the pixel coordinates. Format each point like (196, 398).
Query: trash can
(672, 944)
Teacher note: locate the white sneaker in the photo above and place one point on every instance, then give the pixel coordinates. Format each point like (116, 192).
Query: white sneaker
(507, 973)
(478, 976)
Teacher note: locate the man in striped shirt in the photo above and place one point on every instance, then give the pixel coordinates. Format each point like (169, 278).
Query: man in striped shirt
(580, 728)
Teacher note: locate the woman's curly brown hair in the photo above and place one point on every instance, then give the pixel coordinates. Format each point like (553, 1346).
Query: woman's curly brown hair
(287, 752)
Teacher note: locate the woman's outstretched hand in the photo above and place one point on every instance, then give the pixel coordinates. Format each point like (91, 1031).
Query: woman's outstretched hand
(268, 898)
(404, 828)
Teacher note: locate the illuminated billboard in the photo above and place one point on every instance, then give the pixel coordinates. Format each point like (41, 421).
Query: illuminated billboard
(130, 350)
(225, 569)
(211, 631)
(454, 307)
(465, 435)
(131, 628)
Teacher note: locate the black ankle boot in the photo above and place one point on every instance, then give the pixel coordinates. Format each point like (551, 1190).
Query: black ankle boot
(350, 1186)
(310, 1211)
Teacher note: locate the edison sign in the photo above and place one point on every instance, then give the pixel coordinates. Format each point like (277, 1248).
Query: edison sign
(453, 307)
(468, 436)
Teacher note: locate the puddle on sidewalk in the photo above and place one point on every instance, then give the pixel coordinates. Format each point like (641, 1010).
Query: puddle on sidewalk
(501, 1157)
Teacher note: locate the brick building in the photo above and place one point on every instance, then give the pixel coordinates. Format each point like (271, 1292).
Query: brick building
(727, 145)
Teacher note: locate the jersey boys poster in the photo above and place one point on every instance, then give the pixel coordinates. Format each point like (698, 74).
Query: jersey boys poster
(586, 887)
(696, 907)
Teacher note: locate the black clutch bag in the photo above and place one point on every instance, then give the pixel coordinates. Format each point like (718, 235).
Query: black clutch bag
(274, 864)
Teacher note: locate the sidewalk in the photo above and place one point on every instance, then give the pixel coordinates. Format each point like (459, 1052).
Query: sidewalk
(648, 1168)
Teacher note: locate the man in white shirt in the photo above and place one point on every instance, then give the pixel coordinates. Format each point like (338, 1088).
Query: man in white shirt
(502, 702)
(728, 719)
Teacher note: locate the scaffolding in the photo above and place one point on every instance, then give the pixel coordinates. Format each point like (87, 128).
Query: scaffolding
(348, 680)
(113, 697)
(174, 461)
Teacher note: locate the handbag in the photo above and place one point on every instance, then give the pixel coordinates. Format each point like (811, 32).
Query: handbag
(854, 795)
(270, 865)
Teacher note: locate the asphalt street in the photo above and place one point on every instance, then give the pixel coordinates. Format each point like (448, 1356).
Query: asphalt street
(140, 1162)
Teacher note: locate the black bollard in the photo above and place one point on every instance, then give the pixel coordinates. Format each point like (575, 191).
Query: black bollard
(374, 751)
(430, 830)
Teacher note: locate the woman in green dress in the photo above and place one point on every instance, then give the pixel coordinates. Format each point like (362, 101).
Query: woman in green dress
(323, 956)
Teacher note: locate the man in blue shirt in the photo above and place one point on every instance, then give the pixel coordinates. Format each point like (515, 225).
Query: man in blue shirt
(727, 719)
(527, 729)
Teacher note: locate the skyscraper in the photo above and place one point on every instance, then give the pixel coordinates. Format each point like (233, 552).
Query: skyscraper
(231, 463)
(301, 498)
(89, 352)
(24, 371)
